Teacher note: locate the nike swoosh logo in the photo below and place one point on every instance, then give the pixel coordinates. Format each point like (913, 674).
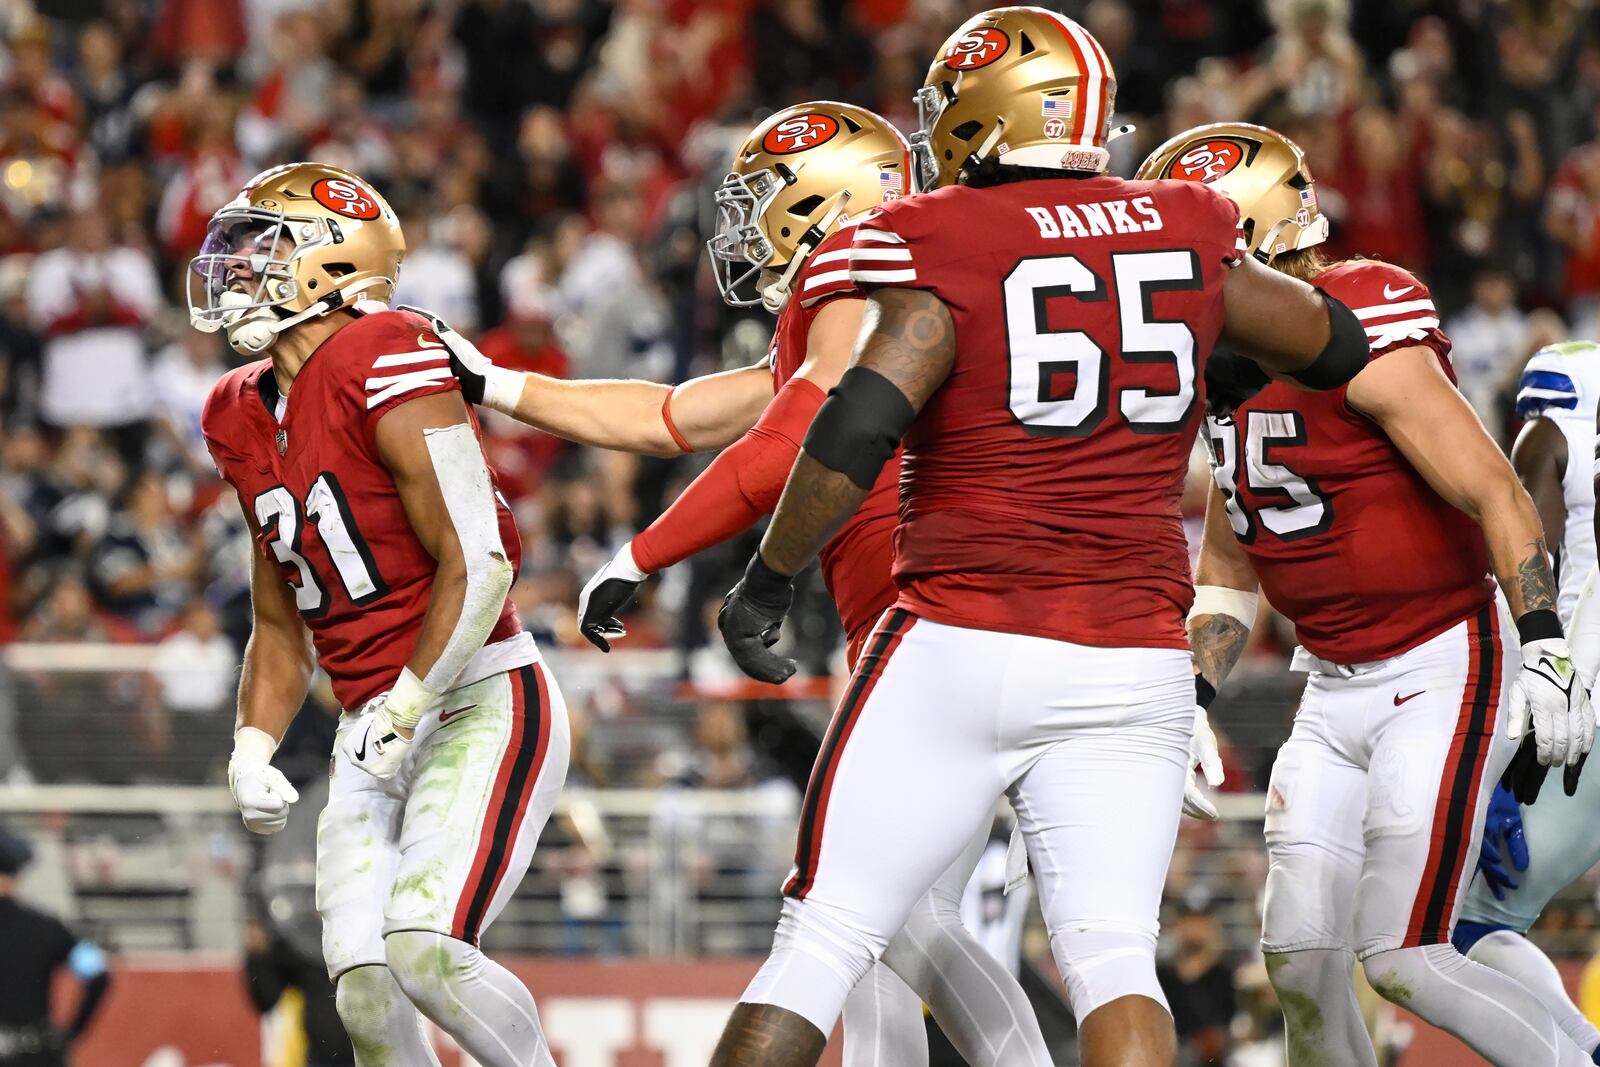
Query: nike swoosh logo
(361, 750)
(423, 342)
(1390, 294)
(1398, 699)
(446, 716)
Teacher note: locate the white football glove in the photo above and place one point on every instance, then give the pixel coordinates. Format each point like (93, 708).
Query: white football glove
(607, 593)
(1204, 755)
(260, 789)
(481, 381)
(375, 744)
(1548, 698)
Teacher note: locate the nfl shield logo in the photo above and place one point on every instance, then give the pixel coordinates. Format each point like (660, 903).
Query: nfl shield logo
(283, 441)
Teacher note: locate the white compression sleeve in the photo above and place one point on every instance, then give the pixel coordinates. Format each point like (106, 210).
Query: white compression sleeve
(469, 501)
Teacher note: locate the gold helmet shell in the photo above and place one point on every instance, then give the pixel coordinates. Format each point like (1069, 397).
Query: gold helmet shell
(1259, 169)
(298, 241)
(1028, 86)
(794, 179)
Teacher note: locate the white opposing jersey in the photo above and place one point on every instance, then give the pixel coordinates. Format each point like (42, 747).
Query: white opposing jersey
(1562, 383)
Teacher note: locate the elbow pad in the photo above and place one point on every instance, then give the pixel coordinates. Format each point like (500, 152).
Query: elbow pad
(1345, 354)
(859, 426)
(469, 504)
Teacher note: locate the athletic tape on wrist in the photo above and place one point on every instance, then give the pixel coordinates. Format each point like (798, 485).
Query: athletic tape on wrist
(251, 741)
(1225, 600)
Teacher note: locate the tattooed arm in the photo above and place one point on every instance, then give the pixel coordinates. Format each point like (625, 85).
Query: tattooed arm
(1408, 395)
(1218, 638)
(908, 338)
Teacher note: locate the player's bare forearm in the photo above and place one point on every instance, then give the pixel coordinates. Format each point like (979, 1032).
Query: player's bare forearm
(1217, 641)
(278, 658)
(815, 503)
(431, 452)
(626, 415)
(768, 1036)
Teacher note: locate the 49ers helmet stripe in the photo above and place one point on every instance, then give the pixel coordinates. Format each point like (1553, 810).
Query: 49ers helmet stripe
(1090, 115)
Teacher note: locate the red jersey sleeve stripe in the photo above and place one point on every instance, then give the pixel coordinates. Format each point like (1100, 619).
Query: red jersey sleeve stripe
(865, 235)
(826, 280)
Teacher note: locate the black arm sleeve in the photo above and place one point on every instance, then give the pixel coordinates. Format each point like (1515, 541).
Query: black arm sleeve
(859, 426)
(1345, 354)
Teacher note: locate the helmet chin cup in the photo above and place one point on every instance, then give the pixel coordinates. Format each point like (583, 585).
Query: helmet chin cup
(250, 332)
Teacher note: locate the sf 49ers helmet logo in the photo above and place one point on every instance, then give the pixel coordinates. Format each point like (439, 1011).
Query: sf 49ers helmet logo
(1207, 162)
(799, 133)
(346, 197)
(977, 49)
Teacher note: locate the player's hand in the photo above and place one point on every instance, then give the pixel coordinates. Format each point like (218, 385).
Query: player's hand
(1502, 839)
(260, 789)
(375, 743)
(481, 381)
(750, 619)
(1203, 754)
(1550, 712)
(607, 593)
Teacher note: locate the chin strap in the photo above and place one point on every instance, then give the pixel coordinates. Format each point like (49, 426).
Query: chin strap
(774, 296)
(253, 333)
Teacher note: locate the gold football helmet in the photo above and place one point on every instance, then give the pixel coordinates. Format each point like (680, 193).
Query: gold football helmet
(796, 176)
(1028, 85)
(1259, 169)
(300, 240)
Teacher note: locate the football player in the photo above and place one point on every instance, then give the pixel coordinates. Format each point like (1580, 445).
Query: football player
(1036, 331)
(381, 537)
(1559, 836)
(799, 184)
(1372, 516)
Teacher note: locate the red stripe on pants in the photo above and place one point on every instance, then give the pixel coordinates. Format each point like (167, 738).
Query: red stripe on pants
(1456, 806)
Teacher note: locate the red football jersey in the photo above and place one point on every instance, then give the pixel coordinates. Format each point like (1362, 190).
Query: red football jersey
(325, 509)
(1040, 484)
(857, 562)
(1348, 540)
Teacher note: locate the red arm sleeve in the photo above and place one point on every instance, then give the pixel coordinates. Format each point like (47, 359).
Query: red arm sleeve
(740, 486)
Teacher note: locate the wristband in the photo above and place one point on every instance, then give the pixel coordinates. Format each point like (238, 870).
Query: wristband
(253, 743)
(408, 699)
(672, 427)
(1225, 600)
(502, 389)
(1204, 692)
(765, 587)
(1539, 625)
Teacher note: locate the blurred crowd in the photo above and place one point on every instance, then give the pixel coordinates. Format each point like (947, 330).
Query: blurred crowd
(552, 161)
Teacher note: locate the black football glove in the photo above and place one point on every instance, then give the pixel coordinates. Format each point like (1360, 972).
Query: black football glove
(1231, 379)
(751, 618)
(607, 593)
(1524, 776)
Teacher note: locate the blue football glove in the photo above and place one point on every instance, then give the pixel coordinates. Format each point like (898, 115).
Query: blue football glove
(1502, 839)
